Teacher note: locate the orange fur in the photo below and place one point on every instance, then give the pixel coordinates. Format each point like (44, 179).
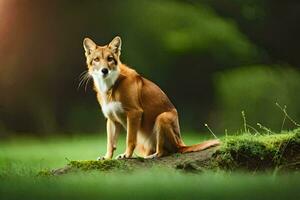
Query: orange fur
(127, 99)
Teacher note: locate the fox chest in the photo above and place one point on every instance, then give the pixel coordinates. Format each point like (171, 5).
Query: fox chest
(114, 111)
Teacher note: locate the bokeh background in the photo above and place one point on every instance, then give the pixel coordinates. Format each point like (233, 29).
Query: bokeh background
(213, 58)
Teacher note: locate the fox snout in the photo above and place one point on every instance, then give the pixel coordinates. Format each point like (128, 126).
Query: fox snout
(103, 71)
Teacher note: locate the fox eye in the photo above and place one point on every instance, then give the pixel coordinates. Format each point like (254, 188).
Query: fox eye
(110, 58)
(96, 59)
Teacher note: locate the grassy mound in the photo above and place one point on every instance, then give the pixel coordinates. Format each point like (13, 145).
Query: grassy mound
(257, 152)
(244, 151)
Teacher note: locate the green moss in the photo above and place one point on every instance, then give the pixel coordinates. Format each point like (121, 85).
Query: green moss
(141, 159)
(258, 151)
(103, 165)
(45, 172)
(87, 165)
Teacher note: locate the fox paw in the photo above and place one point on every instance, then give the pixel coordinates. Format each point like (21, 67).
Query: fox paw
(153, 156)
(101, 158)
(122, 156)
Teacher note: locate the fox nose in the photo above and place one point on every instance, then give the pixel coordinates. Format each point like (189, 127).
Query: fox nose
(104, 71)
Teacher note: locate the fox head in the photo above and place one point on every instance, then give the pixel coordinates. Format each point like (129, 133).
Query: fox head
(102, 61)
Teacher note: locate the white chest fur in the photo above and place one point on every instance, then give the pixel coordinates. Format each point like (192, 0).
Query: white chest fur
(112, 109)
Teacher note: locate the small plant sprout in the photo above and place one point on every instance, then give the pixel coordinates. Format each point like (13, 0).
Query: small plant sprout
(286, 115)
(206, 125)
(246, 126)
(264, 128)
(256, 131)
(245, 122)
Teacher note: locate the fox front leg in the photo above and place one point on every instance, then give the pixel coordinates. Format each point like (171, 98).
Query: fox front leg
(133, 125)
(113, 130)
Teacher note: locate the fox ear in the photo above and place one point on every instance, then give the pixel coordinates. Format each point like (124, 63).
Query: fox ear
(115, 45)
(89, 45)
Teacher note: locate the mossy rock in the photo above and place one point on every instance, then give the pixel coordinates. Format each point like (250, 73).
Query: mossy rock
(244, 151)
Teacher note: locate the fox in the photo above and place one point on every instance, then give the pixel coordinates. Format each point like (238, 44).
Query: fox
(130, 101)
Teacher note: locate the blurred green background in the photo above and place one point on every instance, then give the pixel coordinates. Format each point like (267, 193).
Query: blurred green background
(213, 59)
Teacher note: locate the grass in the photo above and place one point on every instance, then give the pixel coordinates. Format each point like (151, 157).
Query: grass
(22, 159)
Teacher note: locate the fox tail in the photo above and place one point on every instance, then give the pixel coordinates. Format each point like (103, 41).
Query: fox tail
(199, 147)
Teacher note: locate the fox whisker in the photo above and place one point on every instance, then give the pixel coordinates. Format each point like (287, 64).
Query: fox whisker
(83, 79)
(86, 83)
